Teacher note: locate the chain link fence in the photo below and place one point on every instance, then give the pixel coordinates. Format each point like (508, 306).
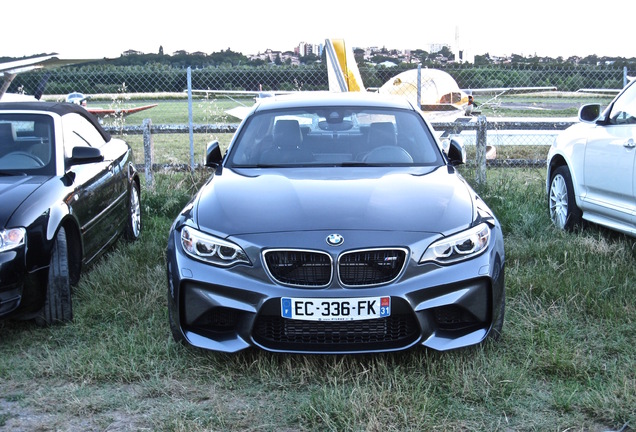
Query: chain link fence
(156, 78)
(216, 91)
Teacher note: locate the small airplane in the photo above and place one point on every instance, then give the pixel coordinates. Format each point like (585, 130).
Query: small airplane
(80, 99)
(240, 111)
(436, 92)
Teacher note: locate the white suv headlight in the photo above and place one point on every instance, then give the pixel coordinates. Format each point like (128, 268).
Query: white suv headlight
(458, 247)
(210, 249)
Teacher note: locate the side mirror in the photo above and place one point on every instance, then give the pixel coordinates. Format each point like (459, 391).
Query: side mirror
(590, 113)
(456, 152)
(213, 157)
(85, 155)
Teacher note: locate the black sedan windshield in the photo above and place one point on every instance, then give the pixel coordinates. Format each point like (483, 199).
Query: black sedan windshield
(337, 136)
(26, 144)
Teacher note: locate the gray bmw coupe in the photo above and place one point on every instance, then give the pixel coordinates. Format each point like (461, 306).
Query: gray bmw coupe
(335, 223)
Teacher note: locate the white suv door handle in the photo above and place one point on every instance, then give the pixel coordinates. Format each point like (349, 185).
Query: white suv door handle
(629, 143)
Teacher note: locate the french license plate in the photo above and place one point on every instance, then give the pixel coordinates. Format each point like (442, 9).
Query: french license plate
(335, 309)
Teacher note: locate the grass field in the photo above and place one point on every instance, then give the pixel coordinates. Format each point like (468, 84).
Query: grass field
(566, 361)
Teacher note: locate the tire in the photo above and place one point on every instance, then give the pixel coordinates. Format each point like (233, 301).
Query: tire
(174, 329)
(58, 308)
(497, 327)
(133, 223)
(561, 201)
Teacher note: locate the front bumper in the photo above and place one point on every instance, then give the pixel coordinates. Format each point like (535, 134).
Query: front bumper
(12, 273)
(439, 307)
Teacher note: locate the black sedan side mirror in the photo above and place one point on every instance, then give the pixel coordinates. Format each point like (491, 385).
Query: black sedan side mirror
(85, 155)
(213, 157)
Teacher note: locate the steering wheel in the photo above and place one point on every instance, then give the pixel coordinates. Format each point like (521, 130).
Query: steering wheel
(20, 159)
(388, 154)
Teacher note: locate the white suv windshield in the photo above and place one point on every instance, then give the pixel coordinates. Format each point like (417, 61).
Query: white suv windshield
(624, 109)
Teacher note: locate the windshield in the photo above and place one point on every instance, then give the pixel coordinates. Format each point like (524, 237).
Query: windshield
(624, 109)
(334, 136)
(26, 144)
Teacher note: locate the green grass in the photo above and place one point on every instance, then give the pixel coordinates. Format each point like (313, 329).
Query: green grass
(174, 148)
(566, 360)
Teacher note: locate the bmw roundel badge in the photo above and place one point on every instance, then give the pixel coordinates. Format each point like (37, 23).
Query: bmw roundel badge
(335, 239)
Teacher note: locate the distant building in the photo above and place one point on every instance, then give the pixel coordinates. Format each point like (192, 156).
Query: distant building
(131, 52)
(437, 47)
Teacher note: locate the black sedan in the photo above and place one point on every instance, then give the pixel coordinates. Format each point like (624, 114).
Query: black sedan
(335, 223)
(68, 191)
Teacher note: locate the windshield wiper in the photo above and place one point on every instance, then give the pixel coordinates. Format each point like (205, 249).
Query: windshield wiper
(356, 164)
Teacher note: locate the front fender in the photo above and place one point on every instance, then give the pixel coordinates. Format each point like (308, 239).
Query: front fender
(569, 149)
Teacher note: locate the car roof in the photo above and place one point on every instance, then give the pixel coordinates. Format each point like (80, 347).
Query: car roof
(60, 108)
(318, 99)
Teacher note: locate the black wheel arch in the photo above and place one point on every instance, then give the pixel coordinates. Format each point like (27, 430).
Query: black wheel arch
(555, 163)
(63, 218)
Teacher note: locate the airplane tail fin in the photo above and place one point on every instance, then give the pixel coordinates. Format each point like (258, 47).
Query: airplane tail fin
(343, 72)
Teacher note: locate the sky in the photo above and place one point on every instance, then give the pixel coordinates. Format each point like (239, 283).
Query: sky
(88, 29)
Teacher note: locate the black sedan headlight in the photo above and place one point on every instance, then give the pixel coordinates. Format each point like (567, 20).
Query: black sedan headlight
(12, 238)
(459, 247)
(210, 249)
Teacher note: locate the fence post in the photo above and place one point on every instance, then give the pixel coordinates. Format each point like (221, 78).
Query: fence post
(149, 152)
(480, 153)
(419, 86)
(190, 120)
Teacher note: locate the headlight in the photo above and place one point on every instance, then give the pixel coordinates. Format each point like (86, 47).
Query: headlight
(458, 247)
(12, 238)
(211, 249)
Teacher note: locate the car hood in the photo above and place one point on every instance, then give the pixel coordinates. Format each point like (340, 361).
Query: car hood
(421, 199)
(13, 191)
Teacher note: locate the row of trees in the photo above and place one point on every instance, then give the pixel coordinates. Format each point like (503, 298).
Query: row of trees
(229, 58)
(232, 58)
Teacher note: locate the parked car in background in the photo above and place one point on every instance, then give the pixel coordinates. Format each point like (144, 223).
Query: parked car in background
(335, 223)
(68, 191)
(591, 167)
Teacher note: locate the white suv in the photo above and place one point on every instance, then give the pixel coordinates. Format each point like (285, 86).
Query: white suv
(591, 167)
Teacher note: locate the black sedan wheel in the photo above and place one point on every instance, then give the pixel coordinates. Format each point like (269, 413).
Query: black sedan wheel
(562, 204)
(57, 304)
(133, 227)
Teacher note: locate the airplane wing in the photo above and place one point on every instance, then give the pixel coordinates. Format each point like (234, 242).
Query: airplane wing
(255, 93)
(9, 70)
(41, 62)
(600, 91)
(508, 90)
(102, 112)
